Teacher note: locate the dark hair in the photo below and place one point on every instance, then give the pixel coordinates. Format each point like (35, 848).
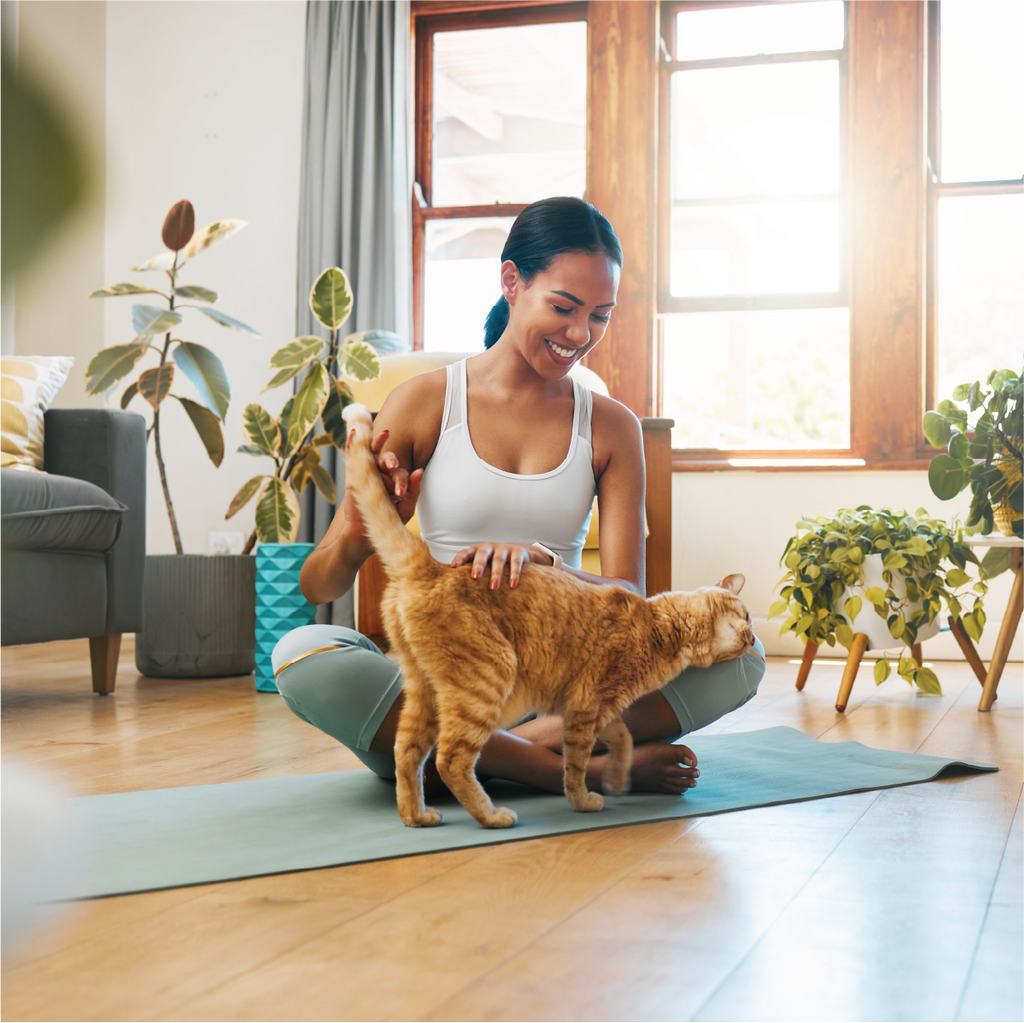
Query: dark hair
(544, 230)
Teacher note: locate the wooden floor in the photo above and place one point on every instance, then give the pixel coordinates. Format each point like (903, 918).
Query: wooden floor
(897, 905)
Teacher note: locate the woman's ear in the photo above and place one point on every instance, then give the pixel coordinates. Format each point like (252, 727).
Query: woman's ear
(510, 280)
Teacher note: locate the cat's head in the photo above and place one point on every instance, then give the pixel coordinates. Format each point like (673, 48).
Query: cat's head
(711, 623)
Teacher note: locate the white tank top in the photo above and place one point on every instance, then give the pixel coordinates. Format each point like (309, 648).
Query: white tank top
(464, 501)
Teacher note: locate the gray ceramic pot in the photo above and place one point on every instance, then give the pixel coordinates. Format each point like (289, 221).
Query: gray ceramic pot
(200, 616)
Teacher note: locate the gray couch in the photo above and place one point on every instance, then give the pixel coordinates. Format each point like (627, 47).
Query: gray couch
(74, 539)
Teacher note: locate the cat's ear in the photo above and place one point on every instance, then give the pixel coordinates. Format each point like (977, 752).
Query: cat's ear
(733, 583)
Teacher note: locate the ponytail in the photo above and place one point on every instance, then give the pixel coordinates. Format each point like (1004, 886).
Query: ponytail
(496, 322)
(544, 230)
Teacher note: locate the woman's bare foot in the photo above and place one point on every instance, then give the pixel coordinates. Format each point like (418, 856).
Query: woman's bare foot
(657, 767)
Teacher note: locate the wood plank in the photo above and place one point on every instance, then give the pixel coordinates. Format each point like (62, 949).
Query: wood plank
(622, 99)
(887, 167)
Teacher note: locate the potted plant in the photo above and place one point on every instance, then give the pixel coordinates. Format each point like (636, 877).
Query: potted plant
(980, 429)
(198, 609)
(862, 563)
(294, 443)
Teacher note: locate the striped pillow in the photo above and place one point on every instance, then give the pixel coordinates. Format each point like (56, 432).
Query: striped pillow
(28, 384)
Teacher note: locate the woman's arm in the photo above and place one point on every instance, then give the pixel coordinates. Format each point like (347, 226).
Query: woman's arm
(405, 434)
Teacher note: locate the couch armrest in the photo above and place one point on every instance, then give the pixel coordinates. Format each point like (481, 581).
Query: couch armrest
(107, 447)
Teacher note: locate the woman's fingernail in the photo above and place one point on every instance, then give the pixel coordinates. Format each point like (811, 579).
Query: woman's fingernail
(696, 774)
(495, 583)
(688, 762)
(476, 573)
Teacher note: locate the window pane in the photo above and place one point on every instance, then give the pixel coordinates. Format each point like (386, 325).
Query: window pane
(980, 298)
(770, 129)
(748, 31)
(982, 85)
(758, 380)
(461, 283)
(754, 249)
(510, 113)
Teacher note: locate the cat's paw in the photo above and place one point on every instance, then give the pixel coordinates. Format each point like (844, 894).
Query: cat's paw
(588, 803)
(615, 779)
(499, 817)
(425, 818)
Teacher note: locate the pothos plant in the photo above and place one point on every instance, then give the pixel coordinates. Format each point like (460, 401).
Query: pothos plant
(199, 365)
(981, 428)
(928, 556)
(291, 439)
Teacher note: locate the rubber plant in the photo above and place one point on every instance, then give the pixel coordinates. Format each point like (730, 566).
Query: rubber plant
(980, 429)
(198, 364)
(292, 439)
(826, 556)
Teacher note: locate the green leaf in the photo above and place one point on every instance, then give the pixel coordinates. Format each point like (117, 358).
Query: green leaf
(331, 298)
(283, 419)
(957, 577)
(882, 670)
(277, 513)
(946, 477)
(111, 364)
(129, 392)
(213, 233)
(207, 374)
(894, 560)
(974, 396)
(155, 384)
(927, 681)
(207, 427)
(113, 290)
(298, 352)
(244, 495)
(777, 608)
(161, 261)
(960, 392)
(226, 321)
(250, 449)
(261, 428)
(193, 291)
(852, 608)
(844, 634)
(148, 320)
(971, 627)
(856, 556)
(359, 361)
(324, 483)
(959, 447)
(334, 424)
(897, 626)
(996, 561)
(936, 429)
(282, 376)
(309, 402)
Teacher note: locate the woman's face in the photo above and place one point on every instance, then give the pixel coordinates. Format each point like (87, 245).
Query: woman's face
(563, 312)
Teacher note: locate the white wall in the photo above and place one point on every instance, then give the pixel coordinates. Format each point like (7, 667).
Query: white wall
(204, 102)
(739, 521)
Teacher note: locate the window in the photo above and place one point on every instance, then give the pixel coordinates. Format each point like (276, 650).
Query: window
(976, 191)
(755, 325)
(501, 122)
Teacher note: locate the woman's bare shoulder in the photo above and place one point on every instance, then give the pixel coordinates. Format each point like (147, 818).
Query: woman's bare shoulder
(412, 413)
(613, 424)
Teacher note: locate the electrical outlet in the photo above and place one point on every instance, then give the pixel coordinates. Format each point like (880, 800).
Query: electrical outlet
(222, 542)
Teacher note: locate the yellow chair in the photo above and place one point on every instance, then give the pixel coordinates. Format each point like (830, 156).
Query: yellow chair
(396, 369)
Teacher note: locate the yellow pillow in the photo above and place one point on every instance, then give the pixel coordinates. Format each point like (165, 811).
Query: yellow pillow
(28, 384)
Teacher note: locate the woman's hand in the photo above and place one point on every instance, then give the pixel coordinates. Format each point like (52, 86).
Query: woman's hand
(499, 554)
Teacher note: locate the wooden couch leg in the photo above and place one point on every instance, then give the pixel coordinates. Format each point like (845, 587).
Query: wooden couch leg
(103, 654)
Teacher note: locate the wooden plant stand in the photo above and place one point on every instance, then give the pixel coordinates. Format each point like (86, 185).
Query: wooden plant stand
(857, 650)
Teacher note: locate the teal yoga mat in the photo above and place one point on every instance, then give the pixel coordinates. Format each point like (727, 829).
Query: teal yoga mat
(169, 838)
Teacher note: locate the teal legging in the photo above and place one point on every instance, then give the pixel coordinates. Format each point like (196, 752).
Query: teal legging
(340, 682)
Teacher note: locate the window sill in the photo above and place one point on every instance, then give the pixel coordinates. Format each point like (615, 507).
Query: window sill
(739, 464)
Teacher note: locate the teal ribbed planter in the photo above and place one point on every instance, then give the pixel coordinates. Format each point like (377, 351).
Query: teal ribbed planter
(280, 605)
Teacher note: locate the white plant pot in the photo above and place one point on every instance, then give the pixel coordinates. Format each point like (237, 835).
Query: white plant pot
(868, 621)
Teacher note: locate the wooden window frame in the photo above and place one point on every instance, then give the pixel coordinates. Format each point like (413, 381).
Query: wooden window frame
(938, 189)
(451, 16)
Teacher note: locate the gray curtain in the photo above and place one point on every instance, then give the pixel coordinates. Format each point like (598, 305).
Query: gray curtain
(355, 194)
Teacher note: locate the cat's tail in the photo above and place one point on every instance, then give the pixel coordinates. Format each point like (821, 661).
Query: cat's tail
(400, 551)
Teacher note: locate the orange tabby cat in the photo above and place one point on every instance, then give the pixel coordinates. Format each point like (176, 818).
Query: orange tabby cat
(477, 659)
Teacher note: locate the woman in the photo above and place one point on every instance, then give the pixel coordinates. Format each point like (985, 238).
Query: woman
(503, 453)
